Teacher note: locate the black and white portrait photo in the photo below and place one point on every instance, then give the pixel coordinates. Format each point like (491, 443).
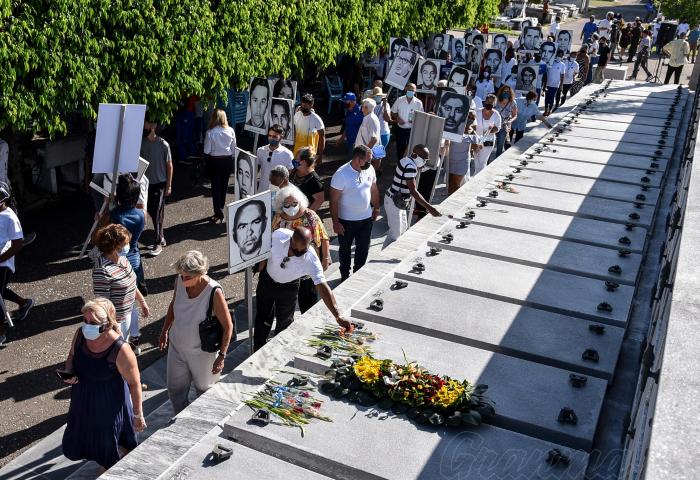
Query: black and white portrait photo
(548, 51)
(401, 68)
(282, 88)
(564, 38)
(438, 47)
(493, 59)
(478, 41)
(395, 44)
(500, 42)
(458, 78)
(246, 172)
(258, 114)
(248, 231)
(531, 38)
(454, 108)
(428, 75)
(459, 51)
(474, 60)
(526, 80)
(281, 114)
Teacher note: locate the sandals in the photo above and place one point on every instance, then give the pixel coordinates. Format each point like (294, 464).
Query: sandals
(215, 220)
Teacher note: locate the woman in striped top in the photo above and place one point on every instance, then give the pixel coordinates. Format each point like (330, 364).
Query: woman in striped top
(113, 277)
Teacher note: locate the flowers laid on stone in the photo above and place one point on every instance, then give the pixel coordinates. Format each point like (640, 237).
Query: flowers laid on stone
(409, 389)
(343, 344)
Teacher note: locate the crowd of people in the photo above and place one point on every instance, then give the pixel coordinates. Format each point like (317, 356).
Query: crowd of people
(504, 95)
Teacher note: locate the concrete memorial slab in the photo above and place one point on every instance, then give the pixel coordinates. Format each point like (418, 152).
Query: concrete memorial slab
(640, 108)
(652, 139)
(510, 380)
(661, 151)
(500, 327)
(521, 284)
(570, 204)
(584, 122)
(354, 446)
(599, 171)
(542, 252)
(657, 120)
(593, 187)
(614, 159)
(553, 225)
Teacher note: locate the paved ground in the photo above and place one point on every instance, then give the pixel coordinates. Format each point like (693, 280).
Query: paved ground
(33, 401)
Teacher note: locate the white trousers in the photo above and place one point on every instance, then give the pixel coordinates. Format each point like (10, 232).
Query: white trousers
(397, 219)
(187, 367)
(481, 159)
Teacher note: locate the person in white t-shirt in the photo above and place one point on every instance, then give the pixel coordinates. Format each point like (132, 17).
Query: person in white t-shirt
(484, 85)
(571, 71)
(354, 206)
(309, 130)
(683, 27)
(402, 113)
(291, 258)
(369, 128)
(605, 25)
(10, 245)
(555, 26)
(555, 77)
(488, 123)
(271, 155)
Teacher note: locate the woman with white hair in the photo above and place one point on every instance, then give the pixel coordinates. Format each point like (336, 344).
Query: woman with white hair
(293, 211)
(105, 410)
(370, 129)
(195, 294)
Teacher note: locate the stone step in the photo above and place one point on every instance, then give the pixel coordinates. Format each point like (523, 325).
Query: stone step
(655, 120)
(662, 151)
(624, 137)
(584, 122)
(613, 159)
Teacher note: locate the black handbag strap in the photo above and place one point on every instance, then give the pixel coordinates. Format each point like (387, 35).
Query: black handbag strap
(211, 300)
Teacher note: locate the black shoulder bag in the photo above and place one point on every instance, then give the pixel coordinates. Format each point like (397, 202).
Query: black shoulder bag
(210, 329)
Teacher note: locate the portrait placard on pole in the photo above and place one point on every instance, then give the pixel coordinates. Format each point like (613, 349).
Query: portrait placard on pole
(107, 138)
(249, 225)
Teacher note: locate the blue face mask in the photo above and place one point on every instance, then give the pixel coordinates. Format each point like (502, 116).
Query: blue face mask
(506, 96)
(295, 163)
(124, 251)
(273, 141)
(409, 94)
(90, 331)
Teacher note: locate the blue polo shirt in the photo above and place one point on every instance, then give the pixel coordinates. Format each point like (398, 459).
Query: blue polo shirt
(353, 120)
(525, 114)
(589, 29)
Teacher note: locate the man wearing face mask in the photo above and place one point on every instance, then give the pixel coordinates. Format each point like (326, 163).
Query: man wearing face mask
(527, 111)
(354, 207)
(272, 155)
(309, 130)
(402, 113)
(403, 188)
(291, 258)
(353, 120)
(570, 72)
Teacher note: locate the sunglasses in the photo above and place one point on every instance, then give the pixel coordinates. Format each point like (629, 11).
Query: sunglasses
(269, 157)
(290, 205)
(284, 262)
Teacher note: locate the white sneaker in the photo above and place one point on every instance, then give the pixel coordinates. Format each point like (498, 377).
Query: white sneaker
(3, 338)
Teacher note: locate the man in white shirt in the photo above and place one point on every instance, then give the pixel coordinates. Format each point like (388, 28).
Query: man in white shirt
(402, 112)
(555, 26)
(276, 293)
(309, 130)
(271, 155)
(605, 26)
(555, 77)
(370, 128)
(571, 70)
(683, 27)
(354, 207)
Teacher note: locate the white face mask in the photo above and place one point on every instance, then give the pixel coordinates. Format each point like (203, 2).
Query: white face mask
(291, 211)
(91, 331)
(419, 161)
(125, 250)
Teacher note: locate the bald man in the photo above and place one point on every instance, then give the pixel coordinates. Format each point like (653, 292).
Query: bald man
(276, 295)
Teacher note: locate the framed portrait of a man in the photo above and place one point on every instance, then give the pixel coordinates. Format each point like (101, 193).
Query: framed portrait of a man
(249, 231)
(478, 41)
(258, 114)
(246, 169)
(428, 75)
(395, 44)
(454, 108)
(499, 41)
(564, 38)
(401, 68)
(458, 78)
(439, 46)
(459, 51)
(492, 60)
(548, 51)
(281, 114)
(474, 63)
(531, 38)
(526, 80)
(282, 88)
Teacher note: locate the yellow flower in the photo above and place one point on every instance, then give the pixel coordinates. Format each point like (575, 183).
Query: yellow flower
(367, 370)
(448, 394)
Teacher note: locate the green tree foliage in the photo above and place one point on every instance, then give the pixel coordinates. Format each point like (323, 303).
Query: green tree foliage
(59, 57)
(681, 10)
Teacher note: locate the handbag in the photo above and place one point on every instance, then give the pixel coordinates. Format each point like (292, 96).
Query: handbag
(402, 201)
(210, 329)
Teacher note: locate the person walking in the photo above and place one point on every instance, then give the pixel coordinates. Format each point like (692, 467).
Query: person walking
(309, 130)
(156, 151)
(677, 51)
(354, 206)
(369, 133)
(584, 65)
(383, 113)
(291, 258)
(555, 78)
(402, 113)
(625, 39)
(106, 410)
(113, 276)
(635, 38)
(588, 29)
(527, 111)
(397, 200)
(488, 123)
(508, 109)
(693, 38)
(220, 149)
(643, 51)
(460, 155)
(194, 295)
(353, 121)
(305, 178)
(292, 208)
(272, 155)
(603, 57)
(571, 71)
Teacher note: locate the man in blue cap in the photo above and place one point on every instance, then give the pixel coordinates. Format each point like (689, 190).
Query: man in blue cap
(353, 120)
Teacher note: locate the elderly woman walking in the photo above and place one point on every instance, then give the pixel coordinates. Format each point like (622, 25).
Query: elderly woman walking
(187, 362)
(105, 410)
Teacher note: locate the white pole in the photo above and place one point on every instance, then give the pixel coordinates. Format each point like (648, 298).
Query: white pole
(249, 306)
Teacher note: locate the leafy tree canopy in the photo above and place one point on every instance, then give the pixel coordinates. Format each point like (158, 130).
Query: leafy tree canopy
(59, 57)
(680, 10)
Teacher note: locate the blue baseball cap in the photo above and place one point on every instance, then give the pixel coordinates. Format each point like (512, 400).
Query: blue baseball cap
(349, 97)
(378, 151)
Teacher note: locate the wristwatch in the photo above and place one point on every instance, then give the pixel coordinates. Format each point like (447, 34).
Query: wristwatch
(222, 355)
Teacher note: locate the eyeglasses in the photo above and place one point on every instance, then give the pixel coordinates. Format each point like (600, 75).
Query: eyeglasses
(404, 60)
(284, 262)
